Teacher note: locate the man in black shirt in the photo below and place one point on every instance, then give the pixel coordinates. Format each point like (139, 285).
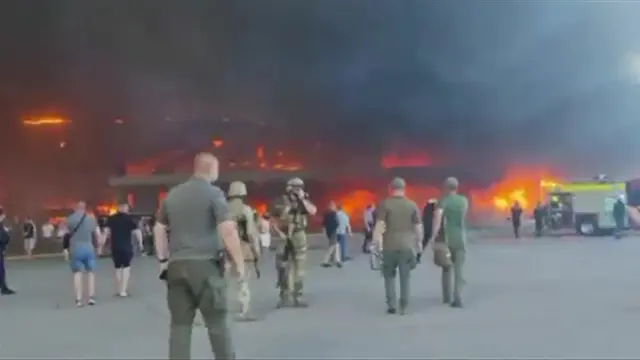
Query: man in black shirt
(120, 227)
(330, 225)
(29, 236)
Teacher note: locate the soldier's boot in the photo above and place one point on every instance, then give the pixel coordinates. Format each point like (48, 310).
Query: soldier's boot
(246, 317)
(457, 300)
(403, 307)
(297, 297)
(457, 303)
(284, 301)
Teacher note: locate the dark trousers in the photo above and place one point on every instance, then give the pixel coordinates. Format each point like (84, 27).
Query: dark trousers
(619, 230)
(538, 227)
(368, 237)
(516, 229)
(3, 274)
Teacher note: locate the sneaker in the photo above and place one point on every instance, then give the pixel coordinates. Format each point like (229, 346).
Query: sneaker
(123, 294)
(79, 303)
(92, 301)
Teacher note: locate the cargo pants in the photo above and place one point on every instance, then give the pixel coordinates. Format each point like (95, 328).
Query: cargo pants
(244, 291)
(454, 274)
(397, 262)
(198, 285)
(296, 265)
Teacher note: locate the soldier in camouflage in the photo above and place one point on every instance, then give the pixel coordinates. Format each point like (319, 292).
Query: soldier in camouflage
(243, 215)
(293, 252)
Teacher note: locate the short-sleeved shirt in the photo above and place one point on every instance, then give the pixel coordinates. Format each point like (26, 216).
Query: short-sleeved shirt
(193, 210)
(121, 226)
(454, 213)
(83, 237)
(343, 223)
(400, 216)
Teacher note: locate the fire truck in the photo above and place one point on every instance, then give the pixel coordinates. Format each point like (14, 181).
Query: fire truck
(587, 206)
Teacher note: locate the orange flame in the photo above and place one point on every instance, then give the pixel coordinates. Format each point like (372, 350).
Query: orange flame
(519, 184)
(43, 121)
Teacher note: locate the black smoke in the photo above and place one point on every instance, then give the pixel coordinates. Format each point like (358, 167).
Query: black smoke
(500, 81)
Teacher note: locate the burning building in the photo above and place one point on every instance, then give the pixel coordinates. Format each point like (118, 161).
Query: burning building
(354, 183)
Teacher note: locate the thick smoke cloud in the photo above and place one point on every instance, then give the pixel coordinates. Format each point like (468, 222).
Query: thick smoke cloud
(506, 81)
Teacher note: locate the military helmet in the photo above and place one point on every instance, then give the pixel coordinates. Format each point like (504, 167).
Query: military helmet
(237, 188)
(296, 182)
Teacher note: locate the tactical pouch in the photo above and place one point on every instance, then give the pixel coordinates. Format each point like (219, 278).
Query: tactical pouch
(442, 255)
(218, 287)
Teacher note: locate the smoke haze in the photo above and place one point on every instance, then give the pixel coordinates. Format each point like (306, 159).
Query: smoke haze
(547, 81)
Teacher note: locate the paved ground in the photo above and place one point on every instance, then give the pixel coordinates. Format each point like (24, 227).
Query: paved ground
(560, 298)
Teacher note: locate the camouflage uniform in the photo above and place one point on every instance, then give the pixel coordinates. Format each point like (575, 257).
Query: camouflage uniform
(294, 250)
(243, 215)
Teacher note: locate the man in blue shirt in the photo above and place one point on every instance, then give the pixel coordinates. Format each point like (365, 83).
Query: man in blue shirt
(343, 232)
(79, 250)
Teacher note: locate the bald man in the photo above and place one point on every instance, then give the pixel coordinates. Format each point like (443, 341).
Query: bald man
(202, 228)
(79, 249)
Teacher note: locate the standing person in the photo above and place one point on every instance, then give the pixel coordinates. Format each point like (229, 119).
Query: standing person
(397, 234)
(427, 223)
(539, 214)
(48, 231)
(516, 218)
(29, 236)
(80, 251)
(5, 238)
(453, 210)
(368, 228)
(297, 209)
(264, 228)
(343, 233)
(194, 260)
(147, 236)
(244, 216)
(330, 225)
(619, 216)
(120, 228)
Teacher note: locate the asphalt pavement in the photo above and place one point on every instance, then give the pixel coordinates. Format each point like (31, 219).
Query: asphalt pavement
(553, 297)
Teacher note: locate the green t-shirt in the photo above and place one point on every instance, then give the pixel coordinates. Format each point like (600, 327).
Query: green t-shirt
(454, 213)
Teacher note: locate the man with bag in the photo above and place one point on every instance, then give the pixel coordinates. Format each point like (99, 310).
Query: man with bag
(452, 210)
(80, 251)
(398, 235)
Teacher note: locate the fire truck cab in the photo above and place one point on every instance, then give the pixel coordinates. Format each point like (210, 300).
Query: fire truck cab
(587, 206)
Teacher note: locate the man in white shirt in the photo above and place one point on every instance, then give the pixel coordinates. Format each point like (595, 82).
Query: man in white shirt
(47, 230)
(343, 232)
(369, 221)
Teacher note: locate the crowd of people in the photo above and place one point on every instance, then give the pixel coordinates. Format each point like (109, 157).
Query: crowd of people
(215, 236)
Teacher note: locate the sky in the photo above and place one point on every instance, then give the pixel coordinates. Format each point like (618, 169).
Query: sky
(526, 81)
